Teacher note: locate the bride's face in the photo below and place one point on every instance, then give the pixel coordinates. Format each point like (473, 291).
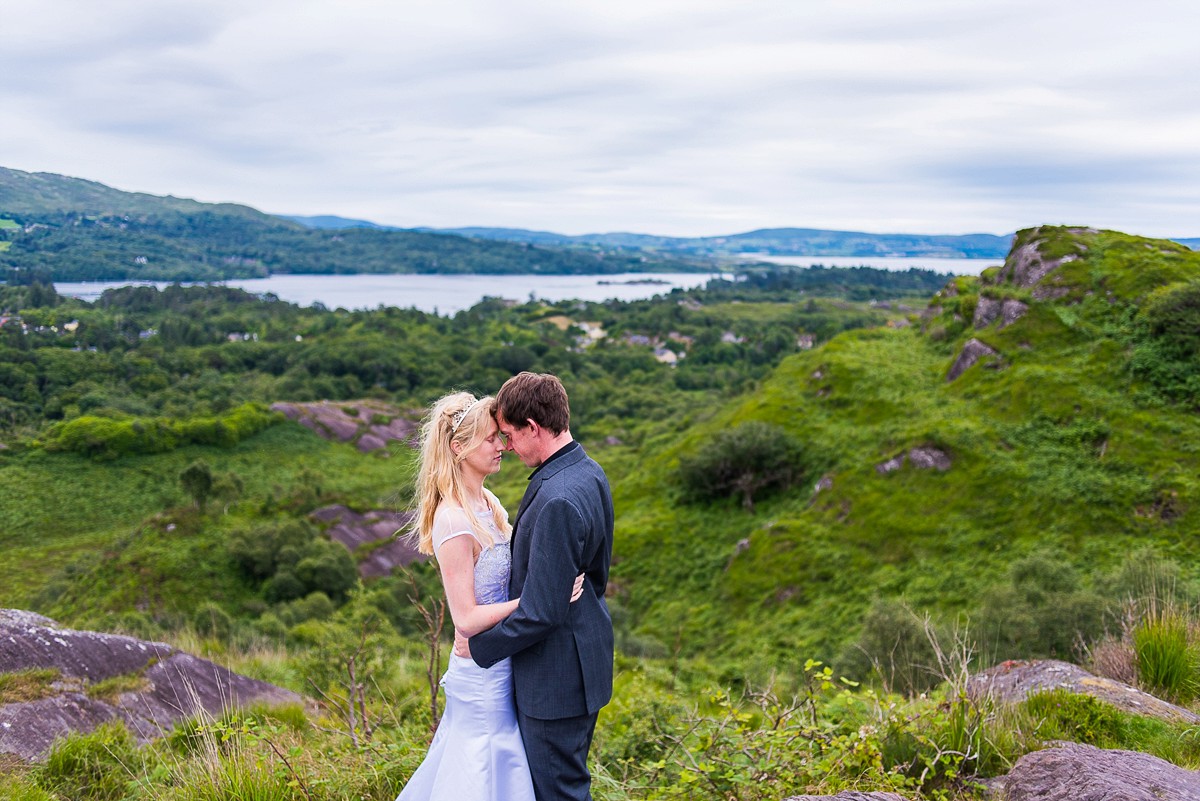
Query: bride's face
(485, 459)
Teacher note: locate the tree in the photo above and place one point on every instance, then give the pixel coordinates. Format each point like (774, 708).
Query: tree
(745, 461)
(197, 481)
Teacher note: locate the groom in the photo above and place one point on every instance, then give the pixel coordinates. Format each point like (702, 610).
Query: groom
(562, 652)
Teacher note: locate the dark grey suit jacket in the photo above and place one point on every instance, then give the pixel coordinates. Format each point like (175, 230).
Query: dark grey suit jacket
(562, 652)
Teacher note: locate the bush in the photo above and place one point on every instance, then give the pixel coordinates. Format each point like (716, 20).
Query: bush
(895, 647)
(1041, 612)
(1168, 341)
(747, 461)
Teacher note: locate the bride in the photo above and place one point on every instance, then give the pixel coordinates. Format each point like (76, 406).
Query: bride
(477, 752)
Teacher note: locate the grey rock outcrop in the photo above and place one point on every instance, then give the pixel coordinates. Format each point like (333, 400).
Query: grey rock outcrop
(923, 458)
(355, 530)
(1074, 772)
(988, 310)
(1013, 681)
(848, 795)
(371, 425)
(972, 352)
(171, 685)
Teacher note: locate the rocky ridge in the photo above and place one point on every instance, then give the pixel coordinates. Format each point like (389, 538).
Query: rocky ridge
(165, 685)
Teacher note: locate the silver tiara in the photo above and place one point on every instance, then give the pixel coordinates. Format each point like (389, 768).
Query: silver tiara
(458, 418)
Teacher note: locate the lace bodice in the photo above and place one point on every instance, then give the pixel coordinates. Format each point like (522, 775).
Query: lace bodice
(494, 564)
(491, 574)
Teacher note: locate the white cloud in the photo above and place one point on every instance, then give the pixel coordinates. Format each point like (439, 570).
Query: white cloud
(656, 116)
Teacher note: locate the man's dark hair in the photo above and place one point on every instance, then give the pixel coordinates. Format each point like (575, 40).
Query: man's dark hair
(539, 397)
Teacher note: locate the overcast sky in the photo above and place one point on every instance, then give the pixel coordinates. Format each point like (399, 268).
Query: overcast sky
(697, 117)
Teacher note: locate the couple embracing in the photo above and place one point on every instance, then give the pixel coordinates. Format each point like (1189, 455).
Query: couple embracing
(533, 655)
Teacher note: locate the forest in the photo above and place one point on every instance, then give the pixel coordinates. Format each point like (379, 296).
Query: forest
(820, 532)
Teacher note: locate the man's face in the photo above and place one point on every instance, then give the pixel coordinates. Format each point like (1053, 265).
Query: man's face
(521, 441)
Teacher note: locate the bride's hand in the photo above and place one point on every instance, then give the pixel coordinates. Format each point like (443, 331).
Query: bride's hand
(577, 590)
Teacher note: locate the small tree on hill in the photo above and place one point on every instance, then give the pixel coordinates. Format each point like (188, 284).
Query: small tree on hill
(197, 481)
(746, 461)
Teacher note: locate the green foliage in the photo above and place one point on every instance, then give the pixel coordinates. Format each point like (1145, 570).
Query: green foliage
(1041, 612)
(197, 482)
(1064, 715)
(1167, 337)
(294, 560)
(105, 438)
(895, 646)
(82, 231)
(750, 460)
(97, 766)
(20, 788)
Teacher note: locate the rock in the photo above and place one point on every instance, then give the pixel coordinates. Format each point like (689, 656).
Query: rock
(1015, 680)
(1074, 772)
(848, 795)
(355, 530)
(1025, 266)
(972, 352)
(1011, 311)
(929, 457)
(823, 484)
(923, 458)
(370, 424)
(986, 311)
(174, 685)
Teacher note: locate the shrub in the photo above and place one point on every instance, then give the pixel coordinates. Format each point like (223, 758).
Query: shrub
(197, 481)
(895, 647)
(1167, 333)
(1042, 611)
(747, 461)
(210, 620)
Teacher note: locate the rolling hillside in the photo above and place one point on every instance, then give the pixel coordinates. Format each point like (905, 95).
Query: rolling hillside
(69, 229)
(1070, 444)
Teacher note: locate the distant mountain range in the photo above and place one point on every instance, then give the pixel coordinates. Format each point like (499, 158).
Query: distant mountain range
(73, 229)
(767, 241)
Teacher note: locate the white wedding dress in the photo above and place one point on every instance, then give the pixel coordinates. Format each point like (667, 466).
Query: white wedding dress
(477, 753)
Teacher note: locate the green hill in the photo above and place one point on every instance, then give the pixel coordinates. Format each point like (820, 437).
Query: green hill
(1071, 446)
(69, 229)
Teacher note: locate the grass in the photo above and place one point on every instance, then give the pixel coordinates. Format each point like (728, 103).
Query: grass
(27, 685)
(63, 515)
(1168, 658)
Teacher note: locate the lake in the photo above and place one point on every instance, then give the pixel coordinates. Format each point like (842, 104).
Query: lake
(447, 294)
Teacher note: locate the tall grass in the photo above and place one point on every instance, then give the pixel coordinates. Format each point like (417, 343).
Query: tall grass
(1167, 655)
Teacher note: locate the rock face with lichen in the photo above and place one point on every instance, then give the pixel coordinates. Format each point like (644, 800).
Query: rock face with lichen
(1013, 681)
(158, 685)
(1074, 772)
(371, 425)
(372, 534)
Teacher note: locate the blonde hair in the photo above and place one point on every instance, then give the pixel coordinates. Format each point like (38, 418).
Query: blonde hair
(457, 417)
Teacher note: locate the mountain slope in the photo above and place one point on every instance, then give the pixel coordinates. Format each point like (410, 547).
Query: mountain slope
(70, 229)
(1054, 444)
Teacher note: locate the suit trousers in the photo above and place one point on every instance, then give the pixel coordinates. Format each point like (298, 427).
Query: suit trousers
(557, 751)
